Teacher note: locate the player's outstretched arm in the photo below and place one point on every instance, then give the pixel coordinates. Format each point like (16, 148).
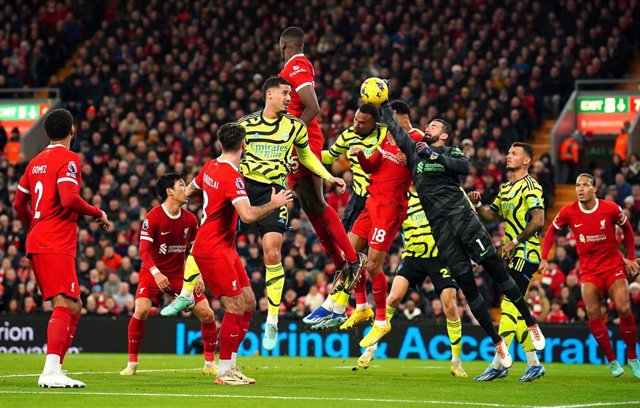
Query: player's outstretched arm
(456, 161)
(70, 199)
(487, 215)
(249, 213)
(405, 143)
(311, 162)
(337, 149)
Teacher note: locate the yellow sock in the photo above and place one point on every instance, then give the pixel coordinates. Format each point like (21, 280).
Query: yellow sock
(341, 298)
(522, 334)
(274, 282)
(508, 320)
(191, 274)
(390, 311)
(454, 330)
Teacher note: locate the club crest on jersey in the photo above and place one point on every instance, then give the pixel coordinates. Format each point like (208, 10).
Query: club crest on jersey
(73, 170)
(255, 135)
(239, 184)
(186, 232)
(145, 224)
(602, 224)
(284, 135)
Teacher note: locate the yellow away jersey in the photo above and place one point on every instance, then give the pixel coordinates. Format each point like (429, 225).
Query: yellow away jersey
(416, 232)
(268, 146)
(346, 141)
(514, 204)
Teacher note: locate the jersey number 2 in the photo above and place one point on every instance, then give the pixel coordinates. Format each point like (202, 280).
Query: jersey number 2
(38, 190)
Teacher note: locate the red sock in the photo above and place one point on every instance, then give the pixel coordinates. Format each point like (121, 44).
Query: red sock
(58, 330)
(360, 289)
(629, 335)
(73, 324)
(229, 333)
(325, 238)
(338, 234)
(601, 334)
(135, 334)
(379, 287)
(209, 337)
(244, 328)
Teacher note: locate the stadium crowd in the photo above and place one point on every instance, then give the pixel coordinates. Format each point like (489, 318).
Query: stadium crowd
(156, 79)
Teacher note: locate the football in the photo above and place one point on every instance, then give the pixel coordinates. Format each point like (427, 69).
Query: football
(374, 90)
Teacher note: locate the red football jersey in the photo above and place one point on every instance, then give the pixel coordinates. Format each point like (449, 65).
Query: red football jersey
(300, 73)
(53, 227)
(222, 185)
(390, 179)
(595, 234)
(170, 237)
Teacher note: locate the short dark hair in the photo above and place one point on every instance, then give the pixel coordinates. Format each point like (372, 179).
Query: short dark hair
(589, 176)
(58, 124)
(231, 136)
(401, 107)
(273, 82)
(370, 110)
(446, 126)
(167, 180)
(293, 33)
(528, 149)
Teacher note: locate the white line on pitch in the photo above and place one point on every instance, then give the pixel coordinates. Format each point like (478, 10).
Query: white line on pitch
(270, 397)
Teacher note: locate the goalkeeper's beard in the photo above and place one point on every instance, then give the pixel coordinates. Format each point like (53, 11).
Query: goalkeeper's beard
(430, 139)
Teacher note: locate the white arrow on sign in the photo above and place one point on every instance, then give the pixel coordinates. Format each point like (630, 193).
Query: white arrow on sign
(621, 105)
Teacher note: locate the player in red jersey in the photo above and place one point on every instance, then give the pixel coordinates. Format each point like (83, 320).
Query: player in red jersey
(299, 71)
(51, 183)
(167, 233)
(224, 199)
(377, 227)
(603, 270)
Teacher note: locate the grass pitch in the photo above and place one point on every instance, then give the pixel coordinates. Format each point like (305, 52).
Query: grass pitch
(169, 380)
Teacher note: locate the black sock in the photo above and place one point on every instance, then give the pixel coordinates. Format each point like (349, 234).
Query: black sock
(493, 265)
(477, 304)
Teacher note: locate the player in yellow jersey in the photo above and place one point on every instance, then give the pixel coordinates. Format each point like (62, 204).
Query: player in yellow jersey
(521, 205)
(366, 134)
(419, 260)
(271, 135)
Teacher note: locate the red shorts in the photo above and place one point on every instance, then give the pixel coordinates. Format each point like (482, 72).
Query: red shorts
(316, 141)
(603, 280)
(148, 288)
(55, 274)
(379, 223)
(225, 275)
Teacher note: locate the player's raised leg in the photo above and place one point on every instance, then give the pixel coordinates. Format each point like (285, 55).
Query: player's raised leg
(363, 312)
(184, 300)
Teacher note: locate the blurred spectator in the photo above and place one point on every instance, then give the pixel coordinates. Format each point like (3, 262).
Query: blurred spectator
(556, 315)
(621, 146)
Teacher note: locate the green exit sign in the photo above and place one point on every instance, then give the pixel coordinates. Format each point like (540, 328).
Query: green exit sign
(603, 105)
(20, 112)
